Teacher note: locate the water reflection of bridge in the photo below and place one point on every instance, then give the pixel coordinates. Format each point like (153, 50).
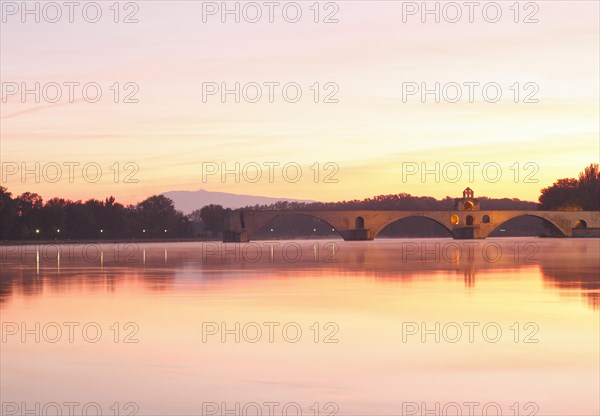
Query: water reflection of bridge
(567, 266)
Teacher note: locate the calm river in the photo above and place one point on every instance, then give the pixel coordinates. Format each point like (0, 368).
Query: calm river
(388, 327)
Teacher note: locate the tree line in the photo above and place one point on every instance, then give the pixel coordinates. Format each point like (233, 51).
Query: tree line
(27, 216)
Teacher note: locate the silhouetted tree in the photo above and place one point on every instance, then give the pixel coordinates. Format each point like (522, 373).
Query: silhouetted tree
(54, 217)
(571, 194)
(157, 214)
(8, 214)
(213, 217)
(29, 207)
(195, 215)
(589, 188)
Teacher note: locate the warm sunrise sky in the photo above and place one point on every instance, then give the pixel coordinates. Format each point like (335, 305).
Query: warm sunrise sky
(369, 133)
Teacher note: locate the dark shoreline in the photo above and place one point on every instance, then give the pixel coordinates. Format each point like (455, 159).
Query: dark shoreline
(149, 240)
(219, 240)
(96, 241)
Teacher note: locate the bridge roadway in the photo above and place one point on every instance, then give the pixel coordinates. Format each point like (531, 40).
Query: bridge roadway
(242, 225)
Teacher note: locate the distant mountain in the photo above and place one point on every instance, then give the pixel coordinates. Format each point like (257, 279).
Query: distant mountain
(188, 201)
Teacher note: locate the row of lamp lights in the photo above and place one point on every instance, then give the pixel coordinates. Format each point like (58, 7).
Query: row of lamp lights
(37, 230)
(314, 229)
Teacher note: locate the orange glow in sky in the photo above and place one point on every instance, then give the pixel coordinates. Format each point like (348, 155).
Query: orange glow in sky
(373, 136)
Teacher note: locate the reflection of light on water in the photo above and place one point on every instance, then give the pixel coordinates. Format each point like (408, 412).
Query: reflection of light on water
(165, 256)
(101, 259)
(58, 261)
(144, 256)
(455, 257)
(37, 261)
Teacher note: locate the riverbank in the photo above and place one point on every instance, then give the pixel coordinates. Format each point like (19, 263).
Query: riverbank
(112, 241)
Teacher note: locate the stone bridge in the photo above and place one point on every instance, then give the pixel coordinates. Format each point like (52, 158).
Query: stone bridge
(242, 225)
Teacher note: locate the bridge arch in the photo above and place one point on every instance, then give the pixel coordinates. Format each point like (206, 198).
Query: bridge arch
(428, 218)
(498, 224)
(260, 225)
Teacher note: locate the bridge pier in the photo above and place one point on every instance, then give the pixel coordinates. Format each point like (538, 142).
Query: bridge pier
(235, 237)
(359, 234)
(468, 233)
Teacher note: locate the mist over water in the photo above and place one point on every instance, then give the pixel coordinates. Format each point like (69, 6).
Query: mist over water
(385, 327)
